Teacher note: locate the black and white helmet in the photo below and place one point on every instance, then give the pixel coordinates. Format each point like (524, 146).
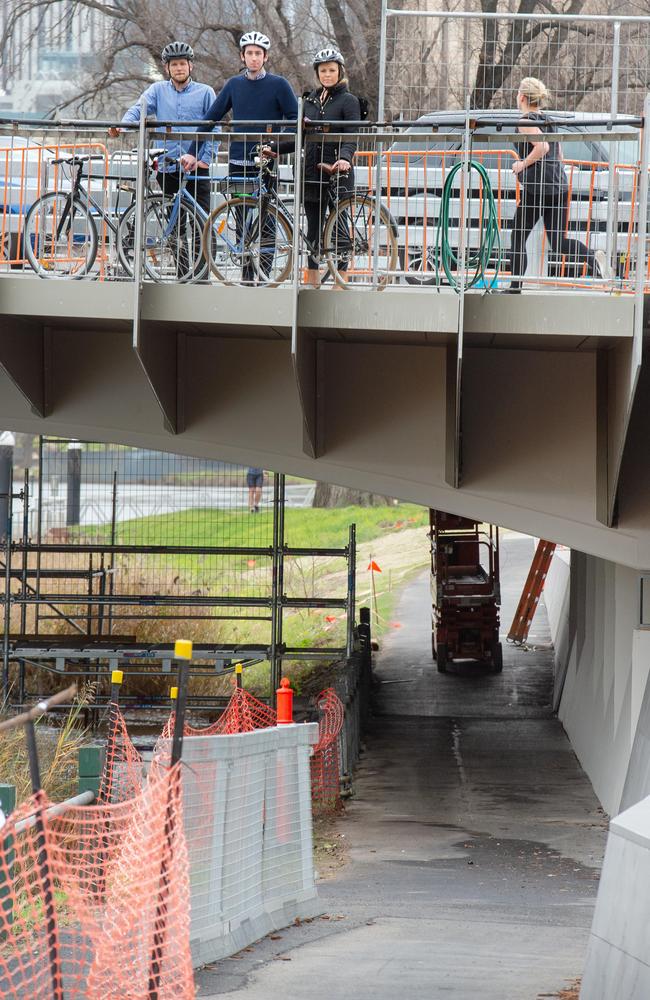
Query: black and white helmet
(328, 55)
(254, 38)
(177, 50)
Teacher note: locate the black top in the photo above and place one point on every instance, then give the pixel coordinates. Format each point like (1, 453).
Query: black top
(545, 177)
(337, 107)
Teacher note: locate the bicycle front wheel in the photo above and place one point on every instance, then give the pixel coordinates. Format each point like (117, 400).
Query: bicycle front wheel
(172, 250)
(60, 237)
(353, 235)
(247, 242)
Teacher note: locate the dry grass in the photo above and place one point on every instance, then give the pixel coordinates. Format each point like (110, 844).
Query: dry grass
(58, 747)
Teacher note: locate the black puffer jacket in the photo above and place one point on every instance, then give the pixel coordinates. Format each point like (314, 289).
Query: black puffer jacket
(339, 106)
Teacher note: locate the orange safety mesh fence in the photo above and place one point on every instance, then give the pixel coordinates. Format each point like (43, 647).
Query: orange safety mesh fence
(94, 903)
(122, 773)
(325, 781)
(242, 714)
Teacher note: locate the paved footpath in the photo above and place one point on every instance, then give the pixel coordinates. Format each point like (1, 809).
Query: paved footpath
(475, 839)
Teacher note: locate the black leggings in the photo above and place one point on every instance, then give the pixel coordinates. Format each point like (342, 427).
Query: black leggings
(316, 212)
(554, 211)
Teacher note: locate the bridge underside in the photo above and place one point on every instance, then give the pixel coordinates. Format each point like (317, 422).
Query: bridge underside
(521, 418)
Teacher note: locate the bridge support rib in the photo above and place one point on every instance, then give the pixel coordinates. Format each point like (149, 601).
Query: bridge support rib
(162, 355)
(305, 354)
(25, 356)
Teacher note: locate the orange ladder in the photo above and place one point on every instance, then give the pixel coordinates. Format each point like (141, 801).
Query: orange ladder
(532, 592)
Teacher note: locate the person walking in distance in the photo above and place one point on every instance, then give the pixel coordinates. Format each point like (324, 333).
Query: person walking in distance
(544, 192)
(179, 98)
(253, 96)
(255, 482)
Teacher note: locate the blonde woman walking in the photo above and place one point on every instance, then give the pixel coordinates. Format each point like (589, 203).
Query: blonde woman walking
(544, 191)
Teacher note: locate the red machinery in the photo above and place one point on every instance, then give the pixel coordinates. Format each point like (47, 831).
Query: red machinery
(465, 591)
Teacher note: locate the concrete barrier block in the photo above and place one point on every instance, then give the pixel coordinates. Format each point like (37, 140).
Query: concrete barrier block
(618, 956)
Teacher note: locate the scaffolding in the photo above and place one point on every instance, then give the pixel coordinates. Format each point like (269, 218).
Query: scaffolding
(111, 551)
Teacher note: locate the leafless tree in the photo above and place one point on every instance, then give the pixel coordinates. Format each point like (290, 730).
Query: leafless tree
(132, 33)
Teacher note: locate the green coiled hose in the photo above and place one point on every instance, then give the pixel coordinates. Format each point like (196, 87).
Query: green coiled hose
(476, 261)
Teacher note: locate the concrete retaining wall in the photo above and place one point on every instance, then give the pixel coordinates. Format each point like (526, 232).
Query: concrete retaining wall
(618, 957)
(602, 667)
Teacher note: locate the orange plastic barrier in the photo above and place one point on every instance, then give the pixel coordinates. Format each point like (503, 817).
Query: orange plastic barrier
(243, 713)
(122, 772)
(94, 904)
(325, 780)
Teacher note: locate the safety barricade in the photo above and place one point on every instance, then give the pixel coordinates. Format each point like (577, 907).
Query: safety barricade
(95, 902)
(325, 762)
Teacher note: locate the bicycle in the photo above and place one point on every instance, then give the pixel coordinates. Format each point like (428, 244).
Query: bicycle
(253, 233)
(61, 237)
(172, 236)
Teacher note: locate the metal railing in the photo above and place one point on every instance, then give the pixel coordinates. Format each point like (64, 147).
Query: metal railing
(428, 203)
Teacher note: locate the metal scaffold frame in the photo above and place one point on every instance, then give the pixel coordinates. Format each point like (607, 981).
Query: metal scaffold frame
(92, 602)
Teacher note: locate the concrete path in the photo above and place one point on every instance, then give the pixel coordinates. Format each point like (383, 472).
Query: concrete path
(474, 839)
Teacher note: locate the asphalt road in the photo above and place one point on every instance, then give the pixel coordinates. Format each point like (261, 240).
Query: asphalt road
(474, 839)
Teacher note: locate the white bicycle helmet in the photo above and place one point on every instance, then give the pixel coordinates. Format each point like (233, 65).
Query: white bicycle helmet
(254, 38)
(177, 50)
(328, 55)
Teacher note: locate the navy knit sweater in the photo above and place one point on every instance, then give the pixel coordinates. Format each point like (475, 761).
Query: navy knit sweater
(267, 100)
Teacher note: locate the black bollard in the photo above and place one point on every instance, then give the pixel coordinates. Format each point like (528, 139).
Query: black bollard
(73, 499)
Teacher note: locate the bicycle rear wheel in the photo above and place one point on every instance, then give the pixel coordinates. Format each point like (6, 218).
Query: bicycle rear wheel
(349, 242)
(244, 246)
(60, 237)
(169, 254)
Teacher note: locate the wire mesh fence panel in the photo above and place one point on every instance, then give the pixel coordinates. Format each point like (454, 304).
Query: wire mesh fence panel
(125, 542)
(469, 213)
(438, 61)
(96, 901)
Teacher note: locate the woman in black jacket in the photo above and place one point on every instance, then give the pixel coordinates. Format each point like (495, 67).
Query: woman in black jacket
(328, 173)
(328, 164)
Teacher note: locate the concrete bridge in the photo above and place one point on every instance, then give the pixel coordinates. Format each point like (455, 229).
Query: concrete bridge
(548, 434)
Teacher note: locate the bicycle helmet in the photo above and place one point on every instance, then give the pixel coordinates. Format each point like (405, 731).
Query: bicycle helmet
(328, 55)
(177, 50)
(254, 38)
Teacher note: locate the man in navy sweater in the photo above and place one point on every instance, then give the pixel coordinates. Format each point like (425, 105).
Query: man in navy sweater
(252, 96)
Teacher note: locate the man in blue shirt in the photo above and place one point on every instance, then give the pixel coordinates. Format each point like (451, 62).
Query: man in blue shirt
(179, 98)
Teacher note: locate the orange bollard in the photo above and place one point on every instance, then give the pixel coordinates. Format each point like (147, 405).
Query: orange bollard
(284, 701)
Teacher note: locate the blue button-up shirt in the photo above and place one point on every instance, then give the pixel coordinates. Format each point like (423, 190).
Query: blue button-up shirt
(171, 105)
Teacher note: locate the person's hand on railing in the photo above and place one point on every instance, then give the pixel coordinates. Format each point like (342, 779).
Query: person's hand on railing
(518, 166)
(268, 152)
(113, 132)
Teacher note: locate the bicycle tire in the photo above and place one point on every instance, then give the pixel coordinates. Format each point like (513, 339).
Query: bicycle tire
(160, 264)
(338, 249)
(51, 257)
(221, 251)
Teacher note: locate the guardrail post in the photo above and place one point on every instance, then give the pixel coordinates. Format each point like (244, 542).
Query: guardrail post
(7, 805)
(352, 576)
(612, 187)
(138, 236)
